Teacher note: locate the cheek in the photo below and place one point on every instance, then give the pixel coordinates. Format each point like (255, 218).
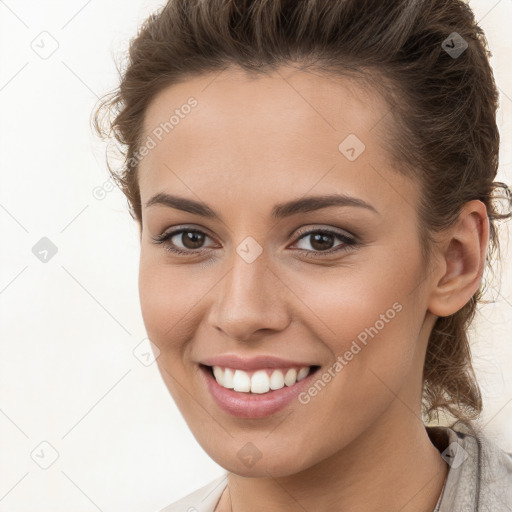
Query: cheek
(372, 335)
(370, 322)
(354, 301)
(169, 297)
(162, 307)
(156, 292)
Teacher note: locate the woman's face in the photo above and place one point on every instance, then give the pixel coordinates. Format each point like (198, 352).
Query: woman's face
(277, 287)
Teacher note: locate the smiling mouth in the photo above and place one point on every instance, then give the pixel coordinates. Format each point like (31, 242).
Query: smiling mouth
(260, 381)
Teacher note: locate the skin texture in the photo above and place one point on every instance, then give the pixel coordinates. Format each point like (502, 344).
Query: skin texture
(252, 142)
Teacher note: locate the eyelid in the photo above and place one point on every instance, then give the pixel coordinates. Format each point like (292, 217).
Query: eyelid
(320, 227)
(180, 228)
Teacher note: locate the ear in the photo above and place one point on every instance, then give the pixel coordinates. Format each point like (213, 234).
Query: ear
(461, 260)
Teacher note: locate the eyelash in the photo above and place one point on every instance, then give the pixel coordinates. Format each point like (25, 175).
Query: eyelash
(347, 242)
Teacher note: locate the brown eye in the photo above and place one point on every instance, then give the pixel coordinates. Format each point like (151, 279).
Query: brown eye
(192, 239)
(186, 241)
(323, 241)
(190, 242)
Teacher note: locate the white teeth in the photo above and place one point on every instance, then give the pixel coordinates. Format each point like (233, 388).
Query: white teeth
(277, 380)
(241, 381)
(260, 381)
(303, 373)
(291, 377)
(228, 379)
(219, 375)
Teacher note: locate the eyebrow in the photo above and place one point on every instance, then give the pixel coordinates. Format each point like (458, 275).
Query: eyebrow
(279, 211)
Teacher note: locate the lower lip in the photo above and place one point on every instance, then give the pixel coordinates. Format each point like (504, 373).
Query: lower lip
(253, 405)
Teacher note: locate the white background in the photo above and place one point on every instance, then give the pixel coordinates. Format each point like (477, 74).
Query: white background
(68, 375)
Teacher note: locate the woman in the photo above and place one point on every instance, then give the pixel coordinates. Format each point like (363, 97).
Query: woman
(313, 183)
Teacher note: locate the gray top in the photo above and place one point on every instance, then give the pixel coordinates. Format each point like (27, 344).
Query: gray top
(479, 477)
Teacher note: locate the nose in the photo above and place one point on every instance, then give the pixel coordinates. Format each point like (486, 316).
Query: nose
(250, 301)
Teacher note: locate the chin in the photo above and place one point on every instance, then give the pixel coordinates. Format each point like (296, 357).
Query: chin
(273, 466)
(261, 458)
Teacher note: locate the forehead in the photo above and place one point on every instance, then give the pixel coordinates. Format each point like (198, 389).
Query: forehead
(290, 101)
(235, 134)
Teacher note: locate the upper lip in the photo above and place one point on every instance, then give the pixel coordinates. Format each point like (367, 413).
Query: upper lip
(252, 363)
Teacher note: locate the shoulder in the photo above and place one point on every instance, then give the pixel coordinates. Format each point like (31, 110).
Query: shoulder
(480, 472)
(203, 499)
(495, 482)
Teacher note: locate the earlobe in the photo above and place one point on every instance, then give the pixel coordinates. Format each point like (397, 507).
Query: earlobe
(461, 261)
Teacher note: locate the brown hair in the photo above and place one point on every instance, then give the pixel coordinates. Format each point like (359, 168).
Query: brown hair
(443, 108)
